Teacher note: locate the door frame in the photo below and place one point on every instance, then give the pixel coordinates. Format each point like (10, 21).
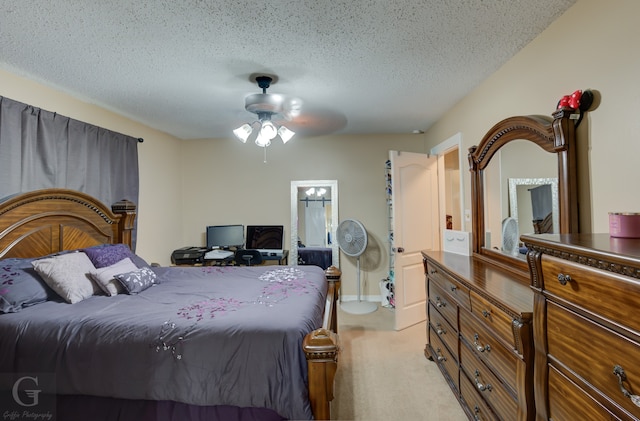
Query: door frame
(440, 150)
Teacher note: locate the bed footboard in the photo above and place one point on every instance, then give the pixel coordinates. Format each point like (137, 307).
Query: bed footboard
(321, 350)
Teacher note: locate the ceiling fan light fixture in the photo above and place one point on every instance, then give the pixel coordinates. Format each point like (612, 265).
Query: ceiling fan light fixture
(243, 132)
(267, 107)
(285, 134)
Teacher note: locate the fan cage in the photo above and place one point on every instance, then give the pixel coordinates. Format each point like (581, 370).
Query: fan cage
(352, 237)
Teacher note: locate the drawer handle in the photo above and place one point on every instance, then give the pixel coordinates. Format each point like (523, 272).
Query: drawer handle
(476, 413)
(440, 330)
(439, 303)
(453, 288)
(622, 377)
(433, 271)
(563, 279)
(479, 347)
(481, 387)
(486, 313)
(441, 357)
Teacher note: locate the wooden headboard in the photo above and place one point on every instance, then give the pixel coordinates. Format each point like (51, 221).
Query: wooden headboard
(47, 221)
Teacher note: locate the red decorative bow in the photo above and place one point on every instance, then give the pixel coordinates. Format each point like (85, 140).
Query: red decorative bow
(571, 101)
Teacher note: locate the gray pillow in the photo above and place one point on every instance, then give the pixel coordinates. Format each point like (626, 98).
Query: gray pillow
(138, 280)
(68, 276)
(104, 277)
(20, 285)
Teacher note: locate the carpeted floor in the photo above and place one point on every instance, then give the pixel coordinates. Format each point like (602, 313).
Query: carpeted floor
(384, 375)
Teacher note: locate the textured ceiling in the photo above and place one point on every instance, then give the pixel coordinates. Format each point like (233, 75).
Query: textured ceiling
(184, 66)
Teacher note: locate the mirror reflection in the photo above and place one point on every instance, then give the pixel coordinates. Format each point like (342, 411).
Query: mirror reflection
(533, 202)
(519, 160)
(314, 217)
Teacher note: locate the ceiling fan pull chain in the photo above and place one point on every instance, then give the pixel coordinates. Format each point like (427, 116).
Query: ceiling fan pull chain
(265, 154)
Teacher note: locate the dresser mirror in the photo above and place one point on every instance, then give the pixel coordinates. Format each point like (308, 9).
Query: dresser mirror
(521, 178)
(314, 217)
(531, 151)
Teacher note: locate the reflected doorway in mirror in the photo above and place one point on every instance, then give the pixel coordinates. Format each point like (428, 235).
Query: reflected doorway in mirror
(533, 202)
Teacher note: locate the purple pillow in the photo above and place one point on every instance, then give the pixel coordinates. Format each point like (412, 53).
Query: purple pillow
(20, 285)
(107, 254)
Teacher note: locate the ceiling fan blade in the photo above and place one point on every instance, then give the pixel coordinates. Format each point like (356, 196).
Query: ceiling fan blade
(291, 108)
(317, 121)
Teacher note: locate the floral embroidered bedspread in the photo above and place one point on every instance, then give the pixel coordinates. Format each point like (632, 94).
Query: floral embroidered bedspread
(202, 335)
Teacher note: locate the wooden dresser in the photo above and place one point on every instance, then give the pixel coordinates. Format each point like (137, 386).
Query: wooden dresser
(480, 334)
(586, 326)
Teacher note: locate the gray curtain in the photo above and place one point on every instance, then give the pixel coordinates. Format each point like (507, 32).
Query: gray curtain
(41, 149)
(541, 201)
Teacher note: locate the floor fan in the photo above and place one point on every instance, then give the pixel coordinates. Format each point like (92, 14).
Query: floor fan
(352, 240)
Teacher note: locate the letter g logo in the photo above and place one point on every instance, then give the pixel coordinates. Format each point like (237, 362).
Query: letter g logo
(32, 393)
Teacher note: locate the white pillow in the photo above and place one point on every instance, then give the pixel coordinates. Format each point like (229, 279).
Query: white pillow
(104, 277)
(68, 275)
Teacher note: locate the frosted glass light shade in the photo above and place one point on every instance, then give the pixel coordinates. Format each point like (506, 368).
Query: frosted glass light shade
(285, 134)
(262, 141)
(243, 132)
(268, 130)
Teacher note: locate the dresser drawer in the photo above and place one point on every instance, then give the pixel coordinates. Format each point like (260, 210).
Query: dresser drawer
(592, 351)
(501, 360)
(443, 302)
(568, 402)
(478, 407)
(494, 318)
(443, 329)
(447, 363)
(488, 385)
(614, 297)
(455, 289)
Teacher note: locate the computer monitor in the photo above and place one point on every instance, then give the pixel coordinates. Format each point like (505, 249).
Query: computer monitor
(225, 236)
(265, 236)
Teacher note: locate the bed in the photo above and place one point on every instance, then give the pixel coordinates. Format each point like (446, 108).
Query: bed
(317, 256)
(171, 343)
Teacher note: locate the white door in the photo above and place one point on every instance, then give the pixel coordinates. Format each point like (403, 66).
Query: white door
(415, 214)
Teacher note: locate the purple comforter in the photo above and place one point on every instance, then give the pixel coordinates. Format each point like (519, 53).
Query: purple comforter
(202, 336)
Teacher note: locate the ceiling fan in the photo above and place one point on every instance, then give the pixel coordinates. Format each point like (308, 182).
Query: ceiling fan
(270, 109)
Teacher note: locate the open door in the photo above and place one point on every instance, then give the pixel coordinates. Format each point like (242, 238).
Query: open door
(415, 225)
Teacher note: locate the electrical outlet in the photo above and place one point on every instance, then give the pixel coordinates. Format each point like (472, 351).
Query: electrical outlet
(467, 215)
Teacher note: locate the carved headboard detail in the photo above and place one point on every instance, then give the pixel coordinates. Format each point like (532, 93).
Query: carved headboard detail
(47, 221)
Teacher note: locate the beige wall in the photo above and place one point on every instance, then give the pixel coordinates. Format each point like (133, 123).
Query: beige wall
(227, 182)
(186, 185)
(592, 46)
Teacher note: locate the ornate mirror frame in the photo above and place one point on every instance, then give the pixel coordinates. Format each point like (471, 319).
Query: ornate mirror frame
(555, 135)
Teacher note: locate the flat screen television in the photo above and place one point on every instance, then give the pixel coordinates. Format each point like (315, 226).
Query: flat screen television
(265, 237)
(225, 236)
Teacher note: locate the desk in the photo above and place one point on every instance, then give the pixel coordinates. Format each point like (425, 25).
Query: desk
(229, 261)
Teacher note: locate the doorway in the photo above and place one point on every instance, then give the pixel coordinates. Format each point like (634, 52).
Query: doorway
(451, 184)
